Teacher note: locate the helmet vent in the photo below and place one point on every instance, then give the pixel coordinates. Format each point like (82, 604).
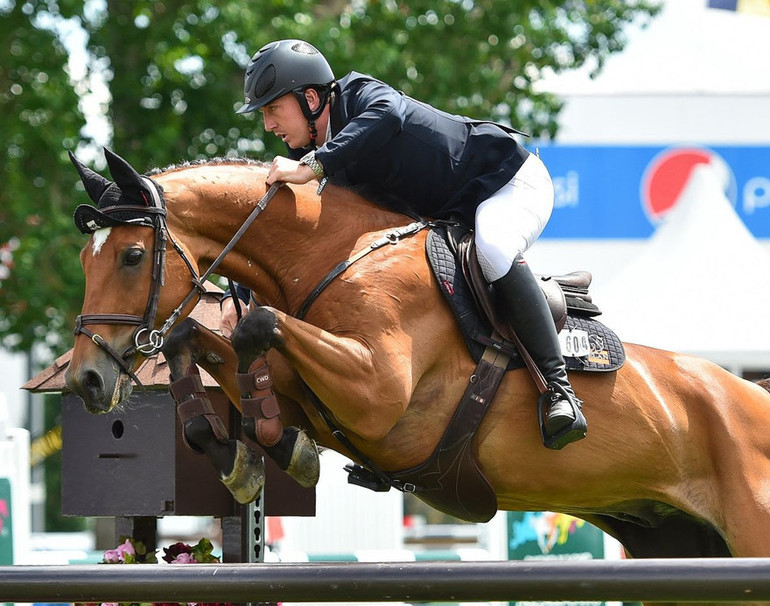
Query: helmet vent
(304, 48)
(265, 82)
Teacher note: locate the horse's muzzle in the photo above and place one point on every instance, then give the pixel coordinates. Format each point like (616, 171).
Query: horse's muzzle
(100, 389)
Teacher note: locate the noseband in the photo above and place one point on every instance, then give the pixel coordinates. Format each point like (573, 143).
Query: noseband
(146, 339)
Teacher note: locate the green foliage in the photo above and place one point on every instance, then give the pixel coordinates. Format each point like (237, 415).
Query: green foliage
(40, 287)
(175, 74)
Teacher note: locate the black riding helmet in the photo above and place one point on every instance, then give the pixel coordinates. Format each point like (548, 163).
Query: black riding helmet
(287, 66)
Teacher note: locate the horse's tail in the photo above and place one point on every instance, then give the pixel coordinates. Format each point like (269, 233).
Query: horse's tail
(764, 384)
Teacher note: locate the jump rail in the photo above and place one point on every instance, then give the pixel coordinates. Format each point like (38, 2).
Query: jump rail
(654, 580)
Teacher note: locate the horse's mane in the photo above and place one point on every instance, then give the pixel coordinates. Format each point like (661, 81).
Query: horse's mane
(205, 162)
(364, 191)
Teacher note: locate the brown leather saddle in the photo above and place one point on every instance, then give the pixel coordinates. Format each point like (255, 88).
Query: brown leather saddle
(554, 288)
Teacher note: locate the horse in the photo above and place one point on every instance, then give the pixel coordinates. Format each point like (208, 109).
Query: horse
(676, 462)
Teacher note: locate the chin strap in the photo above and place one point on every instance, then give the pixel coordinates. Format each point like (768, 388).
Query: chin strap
(324, 92)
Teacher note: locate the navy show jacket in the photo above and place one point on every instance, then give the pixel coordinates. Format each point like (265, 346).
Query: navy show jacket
(407, 155)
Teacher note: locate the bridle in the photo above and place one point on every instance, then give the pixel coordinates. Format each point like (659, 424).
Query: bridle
(146, 339)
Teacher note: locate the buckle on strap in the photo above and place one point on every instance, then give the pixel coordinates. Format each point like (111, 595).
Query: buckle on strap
(398, 234)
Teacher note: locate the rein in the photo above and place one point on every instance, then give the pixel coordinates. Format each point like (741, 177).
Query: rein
(155, 338)
(198, 287)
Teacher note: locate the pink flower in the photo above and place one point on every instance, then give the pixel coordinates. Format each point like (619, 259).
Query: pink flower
(125, 549)
(120, 554)
(184, 558)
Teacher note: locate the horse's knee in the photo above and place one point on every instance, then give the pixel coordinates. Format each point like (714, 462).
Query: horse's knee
(255, 333)
(179, 338)
(177, 347)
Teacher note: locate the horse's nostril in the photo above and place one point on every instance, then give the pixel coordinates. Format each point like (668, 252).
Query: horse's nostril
(92, 384)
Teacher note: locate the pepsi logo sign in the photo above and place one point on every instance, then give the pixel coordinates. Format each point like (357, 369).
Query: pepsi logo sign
(667, 175)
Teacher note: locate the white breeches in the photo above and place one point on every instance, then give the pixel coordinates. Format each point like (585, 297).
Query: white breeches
(511, 220)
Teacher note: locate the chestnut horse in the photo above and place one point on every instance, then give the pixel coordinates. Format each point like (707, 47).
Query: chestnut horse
(677, 457)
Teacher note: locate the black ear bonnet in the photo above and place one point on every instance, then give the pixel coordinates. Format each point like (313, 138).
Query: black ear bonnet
(130, 199)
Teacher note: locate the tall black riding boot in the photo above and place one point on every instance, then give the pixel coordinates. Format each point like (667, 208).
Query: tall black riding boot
(559, 411)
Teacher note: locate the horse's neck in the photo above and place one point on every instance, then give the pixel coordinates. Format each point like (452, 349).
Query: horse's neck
(290, 246)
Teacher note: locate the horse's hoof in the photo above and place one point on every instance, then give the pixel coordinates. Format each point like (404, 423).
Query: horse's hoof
(247, 479)
(305, 464)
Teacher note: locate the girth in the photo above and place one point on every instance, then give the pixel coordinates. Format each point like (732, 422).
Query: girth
(450, 480)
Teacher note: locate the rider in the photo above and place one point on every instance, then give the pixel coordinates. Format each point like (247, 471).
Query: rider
(362, 132)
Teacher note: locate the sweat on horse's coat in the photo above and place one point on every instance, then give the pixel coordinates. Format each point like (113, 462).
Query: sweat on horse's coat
(677, 460)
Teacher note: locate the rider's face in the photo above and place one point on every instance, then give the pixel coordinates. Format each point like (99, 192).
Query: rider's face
(284, 118)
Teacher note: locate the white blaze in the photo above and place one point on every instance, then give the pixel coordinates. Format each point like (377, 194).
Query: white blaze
(98, 239)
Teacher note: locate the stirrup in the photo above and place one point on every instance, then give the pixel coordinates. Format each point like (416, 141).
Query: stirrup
(572, 432)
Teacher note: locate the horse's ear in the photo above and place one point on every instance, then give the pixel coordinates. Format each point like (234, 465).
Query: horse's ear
(127, 179)
(94, 183)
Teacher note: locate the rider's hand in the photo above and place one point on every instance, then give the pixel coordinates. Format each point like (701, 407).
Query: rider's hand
(289, 171)
(229, 317)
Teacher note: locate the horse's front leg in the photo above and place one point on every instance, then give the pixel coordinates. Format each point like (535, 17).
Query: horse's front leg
(239, 468)
(364, 383)
(291, 448)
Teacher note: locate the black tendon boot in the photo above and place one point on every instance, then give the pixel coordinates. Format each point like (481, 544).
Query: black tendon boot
(530, 317)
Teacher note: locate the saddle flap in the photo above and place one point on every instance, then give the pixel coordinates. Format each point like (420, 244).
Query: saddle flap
(557, 303)
(484, 295)
(479, 287)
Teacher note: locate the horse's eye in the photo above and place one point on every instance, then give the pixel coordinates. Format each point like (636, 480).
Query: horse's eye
(133, 256)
